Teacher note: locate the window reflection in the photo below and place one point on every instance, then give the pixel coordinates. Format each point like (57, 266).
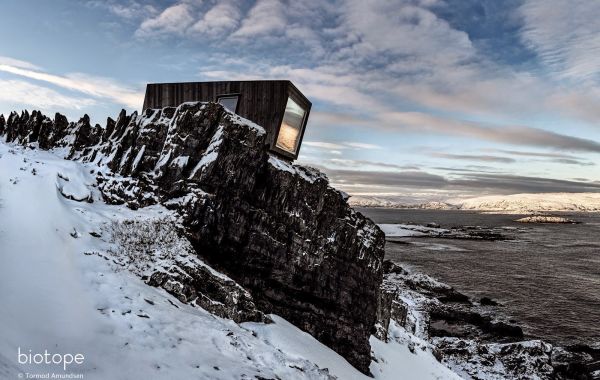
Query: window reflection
(291, 127)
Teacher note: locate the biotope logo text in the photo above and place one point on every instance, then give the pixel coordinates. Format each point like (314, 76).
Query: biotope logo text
(46, 357)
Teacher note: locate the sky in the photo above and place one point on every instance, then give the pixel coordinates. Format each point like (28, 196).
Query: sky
(413, 100)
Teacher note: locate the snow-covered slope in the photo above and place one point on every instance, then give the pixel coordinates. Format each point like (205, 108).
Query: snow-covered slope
(61, 291)
(525, 203)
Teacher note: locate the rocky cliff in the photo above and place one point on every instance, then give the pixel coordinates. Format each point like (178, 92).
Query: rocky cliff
(277, 229)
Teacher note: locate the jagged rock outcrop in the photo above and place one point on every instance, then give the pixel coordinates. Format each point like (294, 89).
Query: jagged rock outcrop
(277, 229)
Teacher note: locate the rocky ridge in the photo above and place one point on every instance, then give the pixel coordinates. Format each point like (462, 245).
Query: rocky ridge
(278, 230)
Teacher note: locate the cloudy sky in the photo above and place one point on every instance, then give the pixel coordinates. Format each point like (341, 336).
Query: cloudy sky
(414, 99)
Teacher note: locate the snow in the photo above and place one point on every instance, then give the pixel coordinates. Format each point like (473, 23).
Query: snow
(125, 158)
(76, 189)
(545, 219)
(406, 230)
(394, 359)
(138, 157)
(308, 174)
(397, 201)
(235, 118)
(162, 161)
(406, 357)
(211, 153)
(180, 161)
(61, 291)
(505, 204)
(495, 361)
(56, 298)
(290, 339)
(240, 120)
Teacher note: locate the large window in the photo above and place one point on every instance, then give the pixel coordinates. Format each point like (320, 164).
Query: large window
(291, 127)
(229, 102)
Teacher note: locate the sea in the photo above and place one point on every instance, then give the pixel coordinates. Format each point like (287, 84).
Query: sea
(545, 276)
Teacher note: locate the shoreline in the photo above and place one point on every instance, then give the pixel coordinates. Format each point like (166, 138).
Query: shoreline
(474, 338)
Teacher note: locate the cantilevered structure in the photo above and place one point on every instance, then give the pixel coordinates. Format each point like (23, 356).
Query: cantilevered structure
(276, 105)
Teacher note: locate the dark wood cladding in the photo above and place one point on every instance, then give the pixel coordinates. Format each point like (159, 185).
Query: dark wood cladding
(263, 102)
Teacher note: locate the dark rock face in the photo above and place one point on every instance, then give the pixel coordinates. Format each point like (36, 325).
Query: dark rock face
(2, 124)
(277, 229)
(199, 285)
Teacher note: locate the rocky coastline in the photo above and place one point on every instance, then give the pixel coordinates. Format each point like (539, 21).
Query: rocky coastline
(546, 219)
(472, 337)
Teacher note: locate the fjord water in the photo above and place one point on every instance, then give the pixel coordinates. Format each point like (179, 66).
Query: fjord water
(546, 276)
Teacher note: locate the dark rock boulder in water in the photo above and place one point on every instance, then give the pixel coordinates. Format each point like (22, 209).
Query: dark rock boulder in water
(487, 301)
(277, 229)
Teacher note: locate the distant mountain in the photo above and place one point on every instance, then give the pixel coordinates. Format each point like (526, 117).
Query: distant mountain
(515, 203)
(525, 203)
(373, 201)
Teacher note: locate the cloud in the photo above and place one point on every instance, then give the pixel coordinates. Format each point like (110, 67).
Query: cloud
(321, 117)
(221, 18)
(507, 134)
(340, 90)
(372, 28)
(569, 161)
(384, 179)
(469, 169)
(566, 36)
(264, 18)
(384, 56)
(468, 184)
(560, 158)
(130, 10)
(535, 154)
(21, 92)
(511, 184)
(95, 86)
(367, 163)
(8, 61)
(341, 145)
(474, 157)
(175, 19)
(359, 145)
(323, 145)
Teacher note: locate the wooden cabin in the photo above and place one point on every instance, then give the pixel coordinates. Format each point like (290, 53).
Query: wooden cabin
(276, 105)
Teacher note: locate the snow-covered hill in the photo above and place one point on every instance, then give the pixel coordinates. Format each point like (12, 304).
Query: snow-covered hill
(526, 203)
(62, 290)
(514, 203)
(393, 202)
